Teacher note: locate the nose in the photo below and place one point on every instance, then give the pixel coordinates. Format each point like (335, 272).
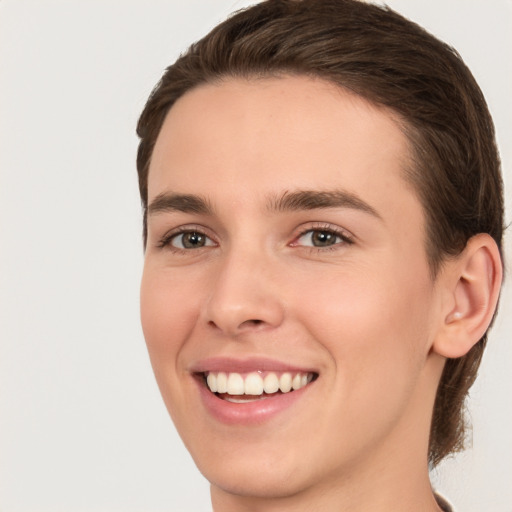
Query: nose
(245, 295)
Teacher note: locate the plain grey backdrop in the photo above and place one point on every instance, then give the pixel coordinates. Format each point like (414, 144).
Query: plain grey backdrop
(82, 425)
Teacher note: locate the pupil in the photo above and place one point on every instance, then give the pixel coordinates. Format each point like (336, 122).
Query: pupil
(193, 240)
(323, 238)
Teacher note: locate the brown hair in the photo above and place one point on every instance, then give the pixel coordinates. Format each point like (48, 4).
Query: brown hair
(390, 61)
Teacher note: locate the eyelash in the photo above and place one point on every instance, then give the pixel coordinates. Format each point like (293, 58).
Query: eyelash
(346, 239)
(165, 241)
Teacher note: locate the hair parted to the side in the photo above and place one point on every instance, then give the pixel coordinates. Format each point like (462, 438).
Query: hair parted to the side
(390, 61)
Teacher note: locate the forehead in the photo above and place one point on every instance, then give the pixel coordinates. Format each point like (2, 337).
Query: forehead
(274, 134)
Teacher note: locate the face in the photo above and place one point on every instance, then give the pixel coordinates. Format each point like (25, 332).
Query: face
(286, 298)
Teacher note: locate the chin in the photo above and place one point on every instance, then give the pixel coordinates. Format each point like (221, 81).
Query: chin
(257, 482)
(261, 470)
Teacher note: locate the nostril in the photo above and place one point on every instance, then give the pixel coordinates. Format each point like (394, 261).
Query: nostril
(251, 323)
(247, 323)
(231, 327)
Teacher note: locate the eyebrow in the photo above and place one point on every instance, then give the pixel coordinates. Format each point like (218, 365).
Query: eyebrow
(286, 202)
(186, 203)
(316, 200)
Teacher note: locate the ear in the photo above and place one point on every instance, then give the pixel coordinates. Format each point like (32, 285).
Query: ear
(472, 281)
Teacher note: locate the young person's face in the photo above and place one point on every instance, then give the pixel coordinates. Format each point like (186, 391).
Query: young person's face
(283, 239)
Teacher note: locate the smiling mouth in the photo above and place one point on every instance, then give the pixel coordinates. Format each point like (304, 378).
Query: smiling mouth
(248, 387)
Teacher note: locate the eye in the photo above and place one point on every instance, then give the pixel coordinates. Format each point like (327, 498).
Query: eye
(189, 240)
(320, 238)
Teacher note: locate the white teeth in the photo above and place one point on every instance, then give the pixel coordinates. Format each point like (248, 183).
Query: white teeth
(222, 382)
(296, 382)
(271, 383)
(255, 384)
(285, 382)
(212, 382)
(235, 384)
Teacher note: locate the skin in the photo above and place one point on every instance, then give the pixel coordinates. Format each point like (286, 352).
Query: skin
(365, 314)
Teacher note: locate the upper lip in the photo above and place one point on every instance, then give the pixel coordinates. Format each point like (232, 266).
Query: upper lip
(244, 365)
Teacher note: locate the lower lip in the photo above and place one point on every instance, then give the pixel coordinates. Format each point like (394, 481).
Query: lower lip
(248, 413)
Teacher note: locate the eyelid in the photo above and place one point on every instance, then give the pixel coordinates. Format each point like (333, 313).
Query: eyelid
(165, 240)
(346, 236)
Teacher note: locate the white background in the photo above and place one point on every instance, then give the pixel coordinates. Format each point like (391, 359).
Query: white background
(82, 426)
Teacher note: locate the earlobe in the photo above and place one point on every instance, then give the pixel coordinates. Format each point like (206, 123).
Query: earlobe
(474, 282)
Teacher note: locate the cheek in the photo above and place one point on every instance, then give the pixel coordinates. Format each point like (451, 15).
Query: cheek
(168, 313)
(375, 333)
(370, 324)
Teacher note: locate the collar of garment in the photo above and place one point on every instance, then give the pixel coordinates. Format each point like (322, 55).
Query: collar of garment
(445, 506)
